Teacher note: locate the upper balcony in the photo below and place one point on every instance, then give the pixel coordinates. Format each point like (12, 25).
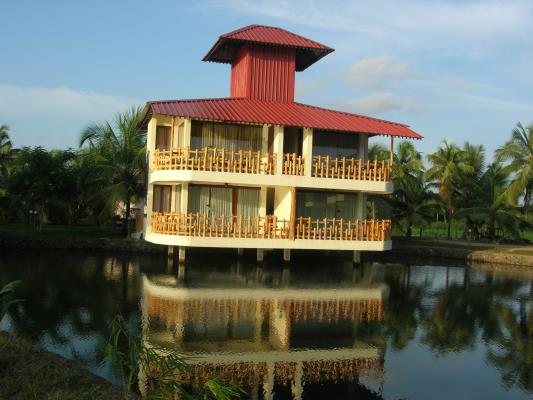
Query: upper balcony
(270, 156)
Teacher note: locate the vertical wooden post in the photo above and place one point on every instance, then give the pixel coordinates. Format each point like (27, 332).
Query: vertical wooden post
(391, 151)
(293, 213)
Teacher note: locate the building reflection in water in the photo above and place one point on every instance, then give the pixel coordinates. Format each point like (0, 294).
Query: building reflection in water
(273, 339)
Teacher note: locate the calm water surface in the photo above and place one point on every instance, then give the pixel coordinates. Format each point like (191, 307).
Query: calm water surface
(319, 329)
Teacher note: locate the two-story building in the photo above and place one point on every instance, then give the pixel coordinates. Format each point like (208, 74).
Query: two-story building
(259, 170)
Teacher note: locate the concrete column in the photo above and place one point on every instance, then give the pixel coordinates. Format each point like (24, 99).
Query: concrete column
(278, 148)
(307, 150)
(150, 147)
(286, 254)
(262, 201)
(184, 198)
(174, 196)
(187, 132)
(260, 255)
(181, 254)
(356, 256)
(240, 252)
(282, 202)
(170, 252)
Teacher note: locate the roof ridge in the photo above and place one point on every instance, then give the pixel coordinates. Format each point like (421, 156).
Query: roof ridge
(353, 114)
(193, 100)
(249, 27)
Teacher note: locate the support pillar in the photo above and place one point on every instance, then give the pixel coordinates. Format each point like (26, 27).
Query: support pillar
(181, 254)
(307, 150)
(240, 252)
(170, 252)
(286, 254)
(356, 256)
(292, 226)
(278, 148)
(260, 255)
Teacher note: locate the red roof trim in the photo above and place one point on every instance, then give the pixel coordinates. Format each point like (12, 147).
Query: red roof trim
(244, 110)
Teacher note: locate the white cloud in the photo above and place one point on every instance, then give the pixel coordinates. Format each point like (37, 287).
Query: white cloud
(374, 72)
(440, 25)
(60, 102)
(377, 103)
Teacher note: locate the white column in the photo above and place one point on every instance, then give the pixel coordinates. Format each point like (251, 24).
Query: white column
(262, 201)
(307, 150)
(278, 148)
(184, 199)
(150, 147)
(187, 132)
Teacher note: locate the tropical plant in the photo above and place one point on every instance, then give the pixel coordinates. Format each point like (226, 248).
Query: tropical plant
(518, 153)
(407, 161)
(490, 208)
(412, 202)
(155, 367)
(6, 297)
(448, 166)
(117, 156)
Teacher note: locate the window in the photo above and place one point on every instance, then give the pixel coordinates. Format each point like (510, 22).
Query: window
(319, 205)
(162, 198)
(227, 201)
(228, 136)
(335, 144)
(162, 138)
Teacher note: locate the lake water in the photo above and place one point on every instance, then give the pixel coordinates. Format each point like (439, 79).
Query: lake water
(317, 329)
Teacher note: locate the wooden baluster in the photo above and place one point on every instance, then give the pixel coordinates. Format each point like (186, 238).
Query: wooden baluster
(341, 230)
(343, 167)
(327, 166)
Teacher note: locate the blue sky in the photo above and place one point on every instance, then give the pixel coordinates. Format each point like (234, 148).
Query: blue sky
(456, 70)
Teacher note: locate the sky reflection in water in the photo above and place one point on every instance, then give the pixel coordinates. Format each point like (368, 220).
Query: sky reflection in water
(320, 328)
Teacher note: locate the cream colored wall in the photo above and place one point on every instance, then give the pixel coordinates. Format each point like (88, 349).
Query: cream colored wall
(282, 203)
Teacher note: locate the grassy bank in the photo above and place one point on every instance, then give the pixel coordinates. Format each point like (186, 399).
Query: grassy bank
(27, 372)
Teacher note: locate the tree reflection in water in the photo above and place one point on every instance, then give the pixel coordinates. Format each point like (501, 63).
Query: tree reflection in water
(442, 311)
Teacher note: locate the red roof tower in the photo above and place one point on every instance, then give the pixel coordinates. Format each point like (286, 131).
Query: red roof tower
(264, 60)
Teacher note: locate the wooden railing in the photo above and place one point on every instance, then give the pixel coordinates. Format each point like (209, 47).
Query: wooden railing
(216, 160)
(293, 164)
(201, 225)
(269, 227)
(341, 229)
(351, 168)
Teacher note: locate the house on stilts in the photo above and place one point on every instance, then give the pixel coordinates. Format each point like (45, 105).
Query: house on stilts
(259, 170)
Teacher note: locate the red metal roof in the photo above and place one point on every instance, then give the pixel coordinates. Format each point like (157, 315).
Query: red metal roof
(245, 110)
(307, 51)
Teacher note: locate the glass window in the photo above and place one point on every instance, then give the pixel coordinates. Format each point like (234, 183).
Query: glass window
(319, 205)
(231, 137)
(335, 144)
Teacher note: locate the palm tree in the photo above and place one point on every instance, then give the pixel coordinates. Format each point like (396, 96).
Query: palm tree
(412, 202)
(5, 150)
(491, 207)
(448, 165)
(407, 161)
(518, 152)
(117, 155)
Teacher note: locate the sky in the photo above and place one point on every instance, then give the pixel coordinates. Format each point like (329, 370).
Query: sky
(452, 70)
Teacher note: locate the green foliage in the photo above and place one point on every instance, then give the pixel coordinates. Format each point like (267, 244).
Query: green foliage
(518, 155)
(156, 368)
(6, 297)
(116, 159)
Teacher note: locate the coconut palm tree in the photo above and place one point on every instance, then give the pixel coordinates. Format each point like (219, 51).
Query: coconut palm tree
(117, 154)
(412, 202)
(5, 150)
(518, 153)
(448, 165)
(490, 207)
(407, 161)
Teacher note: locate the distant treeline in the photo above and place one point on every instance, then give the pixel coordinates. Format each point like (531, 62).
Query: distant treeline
(489, 200)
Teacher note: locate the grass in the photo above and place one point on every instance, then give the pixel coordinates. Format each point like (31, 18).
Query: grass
(61, 231)
(27, 372)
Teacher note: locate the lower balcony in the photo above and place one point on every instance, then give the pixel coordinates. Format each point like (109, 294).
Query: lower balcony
(269, 232)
